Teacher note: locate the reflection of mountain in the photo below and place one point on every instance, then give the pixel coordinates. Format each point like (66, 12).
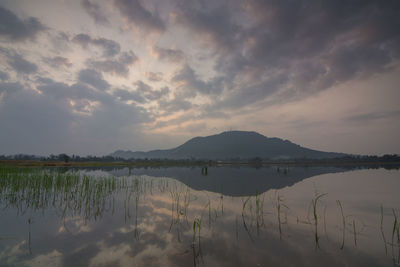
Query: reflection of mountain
(232, 145)
(234, 181)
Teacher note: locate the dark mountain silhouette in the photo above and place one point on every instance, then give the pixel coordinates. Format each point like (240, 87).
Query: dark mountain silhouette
(232, 145)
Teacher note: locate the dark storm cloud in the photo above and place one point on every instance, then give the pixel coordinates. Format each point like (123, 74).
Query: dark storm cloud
(169, 55)
(317, 43)
(21, 65)
(93, 78)
(95, 11)
(110, 47)
(190, 84)
(16, 29)
(134, 12)
(119, 66)
(58, 62)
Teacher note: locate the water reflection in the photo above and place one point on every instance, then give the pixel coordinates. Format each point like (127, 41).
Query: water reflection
(233, 181)
(109, 218)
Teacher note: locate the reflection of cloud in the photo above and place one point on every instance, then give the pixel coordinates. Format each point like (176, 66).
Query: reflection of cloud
(53, 258)
(10, 254)
(225, 240)
(115, 256)
(74, 226)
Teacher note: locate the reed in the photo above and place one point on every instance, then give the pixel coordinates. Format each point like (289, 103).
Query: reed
(244, 203)
(343, 222)
(314, 203)
(382, 232)
(70, 192)
(355, 233)
(259, 212)
(196, 229)
(279, 204)
(395, 237)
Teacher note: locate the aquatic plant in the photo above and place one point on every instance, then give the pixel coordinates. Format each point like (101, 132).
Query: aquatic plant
(278, 206)
(395, 237)
(382, 232)
(259, 212)
(196, 229)
(343, 221)
(314, 206)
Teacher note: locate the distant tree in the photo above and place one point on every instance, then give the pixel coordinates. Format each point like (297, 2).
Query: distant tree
(63, 157)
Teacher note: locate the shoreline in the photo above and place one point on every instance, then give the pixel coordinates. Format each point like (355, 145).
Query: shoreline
(160, 163)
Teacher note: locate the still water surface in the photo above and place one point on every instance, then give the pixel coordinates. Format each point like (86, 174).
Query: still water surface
(232, 216)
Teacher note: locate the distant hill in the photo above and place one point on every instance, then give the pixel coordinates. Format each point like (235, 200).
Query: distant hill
(232, 145)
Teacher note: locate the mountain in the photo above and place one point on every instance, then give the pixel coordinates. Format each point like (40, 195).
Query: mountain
(232, 145)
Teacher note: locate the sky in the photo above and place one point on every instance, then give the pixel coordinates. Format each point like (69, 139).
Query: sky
(89, 77)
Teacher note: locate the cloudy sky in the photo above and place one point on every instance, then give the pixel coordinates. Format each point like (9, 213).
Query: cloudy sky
(92, 76)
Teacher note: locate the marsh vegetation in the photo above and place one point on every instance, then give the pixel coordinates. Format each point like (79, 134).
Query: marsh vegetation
(53, 216)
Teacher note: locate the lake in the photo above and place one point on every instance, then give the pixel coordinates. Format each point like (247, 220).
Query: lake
(219, 216)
